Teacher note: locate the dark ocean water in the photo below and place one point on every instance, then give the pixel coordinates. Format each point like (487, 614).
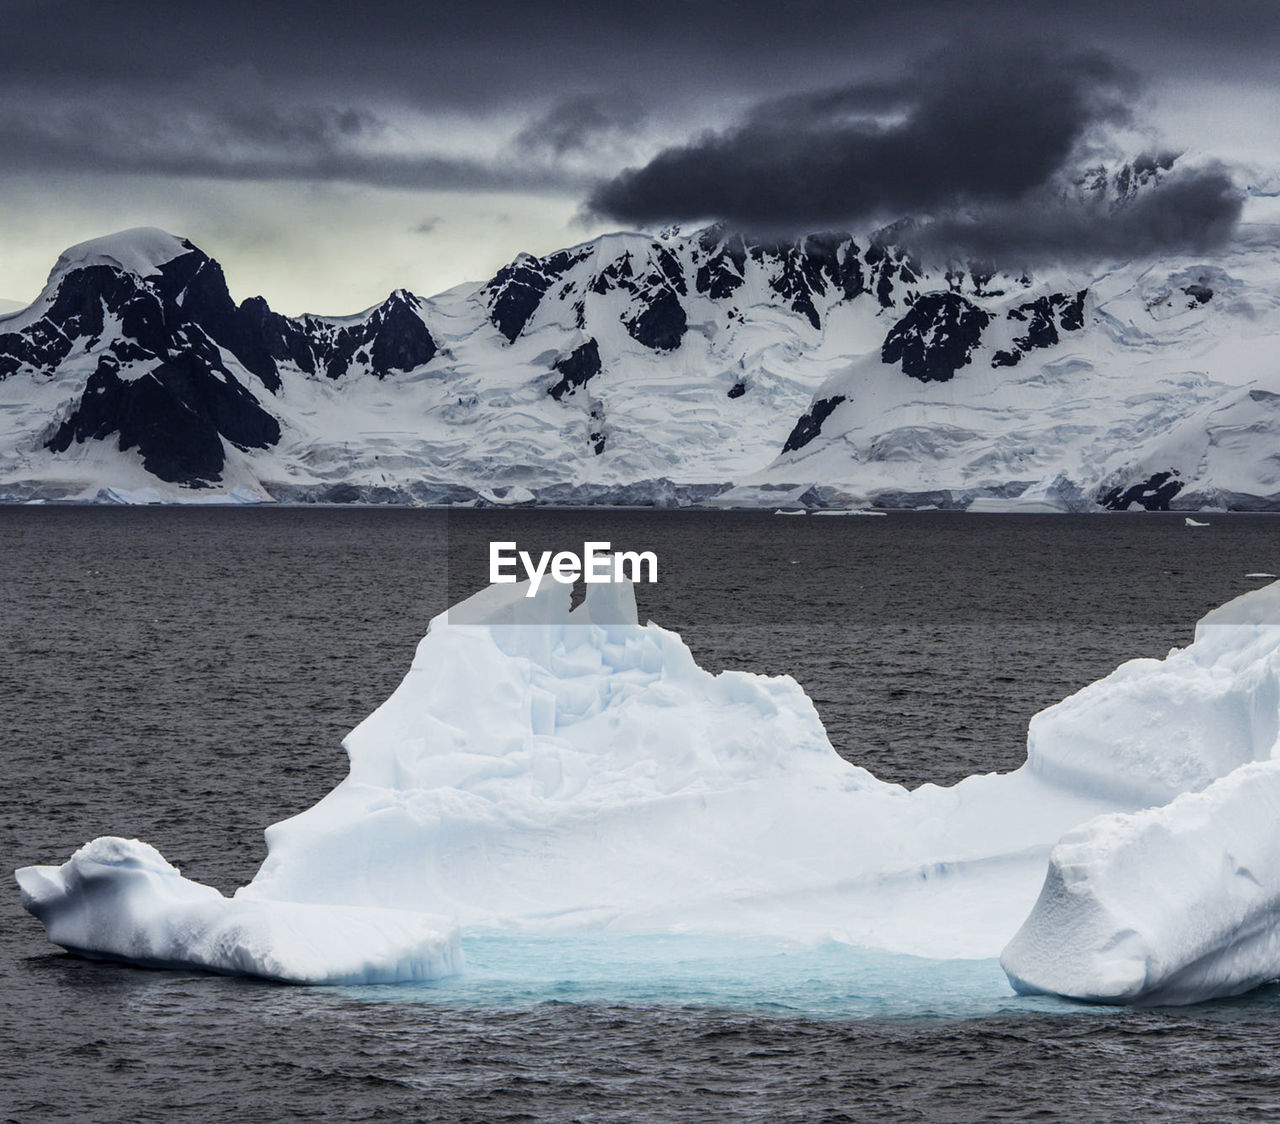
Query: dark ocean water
(185, 676)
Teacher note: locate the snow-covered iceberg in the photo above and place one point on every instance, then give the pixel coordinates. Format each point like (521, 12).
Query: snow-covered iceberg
(1155, 728)
(119, 898)
(1170, 905)
(548, 770)
(1179, 903)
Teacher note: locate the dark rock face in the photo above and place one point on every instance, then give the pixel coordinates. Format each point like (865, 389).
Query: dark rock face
(178, 401)
(655, 284)
(1071, 312)
(516, 291)
(175, 416)
(392, 338)
(1199, 294)
(737, 390)
(885, 265)
(807, 276)
(576, 369)
(1043, 317)
(1152, 494)
(936, 338)
(720, 275)
(799, 271)
(279, 338)
(597, 435)
(189, 294)
(661, 323)
(810, 423)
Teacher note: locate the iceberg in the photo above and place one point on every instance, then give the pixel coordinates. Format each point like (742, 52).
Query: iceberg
(1170, 905)
(548, 770)
(119, 899)
(1153, 729)
(1177, 903)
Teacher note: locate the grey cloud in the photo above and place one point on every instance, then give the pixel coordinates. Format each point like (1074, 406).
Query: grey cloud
(250, 142)
(578, 124)
(978, 148)
(310, 125)
(1193, 210)
(973, 127)
(489, 51)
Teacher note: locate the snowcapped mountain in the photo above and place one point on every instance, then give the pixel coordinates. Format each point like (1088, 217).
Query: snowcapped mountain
(833, 370)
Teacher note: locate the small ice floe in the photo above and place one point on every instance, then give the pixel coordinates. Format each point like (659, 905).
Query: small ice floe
(1194, 522)
(790, 511)
(848, 511)
(1260, 575)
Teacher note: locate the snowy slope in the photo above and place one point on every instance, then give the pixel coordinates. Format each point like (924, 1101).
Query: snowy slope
(683, 368)
(1171, 382)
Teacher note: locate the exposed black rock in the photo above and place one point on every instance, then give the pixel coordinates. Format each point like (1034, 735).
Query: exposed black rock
(737, 390)
(391, 338)
(1199, 294)
(1071, 312)
(1043, 318)
(1153, 494)
(517, 289)
(175, 416)
(576, 369)
(597, 435)
(885, 263)
(936, 338)
(75, 317)
(720, 275)
(661, 324)
(281, 338)
(814, 266)
(400, 340)
(810, 423)
(189, 292)
(668, 270)
(193, 289)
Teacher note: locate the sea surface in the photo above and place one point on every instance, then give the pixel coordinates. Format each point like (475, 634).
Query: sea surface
(185, 676)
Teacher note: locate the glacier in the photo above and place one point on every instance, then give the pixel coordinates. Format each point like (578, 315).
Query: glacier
(561, 772)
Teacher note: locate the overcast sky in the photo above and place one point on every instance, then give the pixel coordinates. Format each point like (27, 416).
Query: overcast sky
(326, 153)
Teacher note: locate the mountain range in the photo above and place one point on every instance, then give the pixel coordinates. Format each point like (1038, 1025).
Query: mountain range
(829, 371)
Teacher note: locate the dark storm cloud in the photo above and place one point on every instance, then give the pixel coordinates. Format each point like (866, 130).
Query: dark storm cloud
(1192, 210)
(971, 127)
(580, 123)
(981, 147)
(299, 90)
